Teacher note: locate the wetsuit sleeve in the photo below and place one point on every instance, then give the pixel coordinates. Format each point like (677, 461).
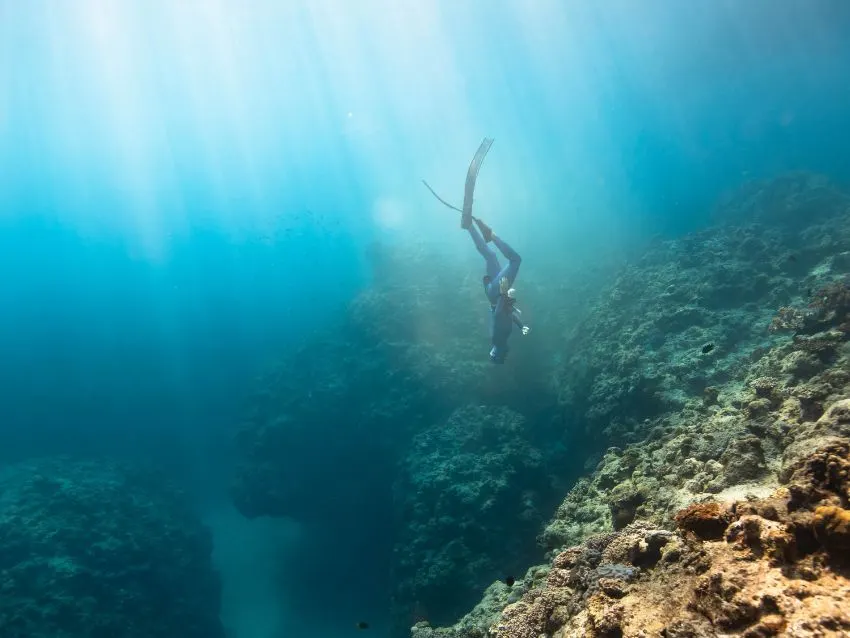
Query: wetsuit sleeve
(517, 320)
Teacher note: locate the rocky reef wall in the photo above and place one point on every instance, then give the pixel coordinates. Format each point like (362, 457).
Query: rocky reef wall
(699, 373)
(89, 548)
(721, 506)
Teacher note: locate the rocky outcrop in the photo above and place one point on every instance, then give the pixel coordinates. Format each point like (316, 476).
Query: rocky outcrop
(94, 550)
(775, 566)
(472, 494)
(691, 313)
(712, 405)
(336, 424)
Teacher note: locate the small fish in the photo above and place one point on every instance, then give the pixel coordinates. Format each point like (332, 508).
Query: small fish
(707, 348)
(509, 581)
(362, 625)
(792, 259)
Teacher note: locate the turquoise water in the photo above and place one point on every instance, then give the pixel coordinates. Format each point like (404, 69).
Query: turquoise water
(190, 190)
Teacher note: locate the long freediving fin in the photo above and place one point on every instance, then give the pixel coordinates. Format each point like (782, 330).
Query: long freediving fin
(471, 176)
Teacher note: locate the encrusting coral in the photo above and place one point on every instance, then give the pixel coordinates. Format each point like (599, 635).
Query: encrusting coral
(772, 566)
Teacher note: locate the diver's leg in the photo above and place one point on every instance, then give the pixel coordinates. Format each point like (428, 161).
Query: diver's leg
(489, 255)
(486, 231)
(514, 260)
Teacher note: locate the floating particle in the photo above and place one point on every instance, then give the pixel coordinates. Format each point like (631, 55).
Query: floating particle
(363, 625)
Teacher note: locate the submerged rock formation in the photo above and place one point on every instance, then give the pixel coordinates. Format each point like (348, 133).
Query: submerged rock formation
(96, 550)
(472, 494)
(335, 432)
(355, 395)
(698, 381)
(639, 353)
(757, 567)
(721, 505)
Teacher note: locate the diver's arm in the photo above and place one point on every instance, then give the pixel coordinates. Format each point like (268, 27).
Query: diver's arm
(519, 323)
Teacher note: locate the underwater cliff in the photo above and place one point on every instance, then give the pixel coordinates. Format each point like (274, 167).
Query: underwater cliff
(707, 378)
(722, 504)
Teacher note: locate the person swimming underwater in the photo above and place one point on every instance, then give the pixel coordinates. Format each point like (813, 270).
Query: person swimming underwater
(498, 286)
(498, 281)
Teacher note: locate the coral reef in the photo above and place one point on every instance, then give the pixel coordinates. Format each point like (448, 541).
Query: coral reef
(638, 354)
(709, 482)
(733, 433)
(471, 496)
(739, 442)
(775, 566)
(697, 383)
(95, 550)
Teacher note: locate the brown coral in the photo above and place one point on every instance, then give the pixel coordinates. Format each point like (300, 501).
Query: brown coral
(763, 537)
(832, 528)
(822, 477)
(706, 521)
(605, 619)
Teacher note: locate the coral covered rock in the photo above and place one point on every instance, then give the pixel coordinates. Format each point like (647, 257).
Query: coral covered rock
(758, 576)
(90, 550)
(471, 491)
(624, 500)
(832, 528)
(719, 419)
(706, 521)
(639, 353)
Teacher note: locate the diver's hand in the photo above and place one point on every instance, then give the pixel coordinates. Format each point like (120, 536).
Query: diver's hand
(525, 330)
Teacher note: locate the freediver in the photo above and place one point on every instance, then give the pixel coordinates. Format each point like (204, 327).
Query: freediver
(498, 286)
(498, 281)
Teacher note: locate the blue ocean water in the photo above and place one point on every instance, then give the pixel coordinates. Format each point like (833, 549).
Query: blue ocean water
(189, 192)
